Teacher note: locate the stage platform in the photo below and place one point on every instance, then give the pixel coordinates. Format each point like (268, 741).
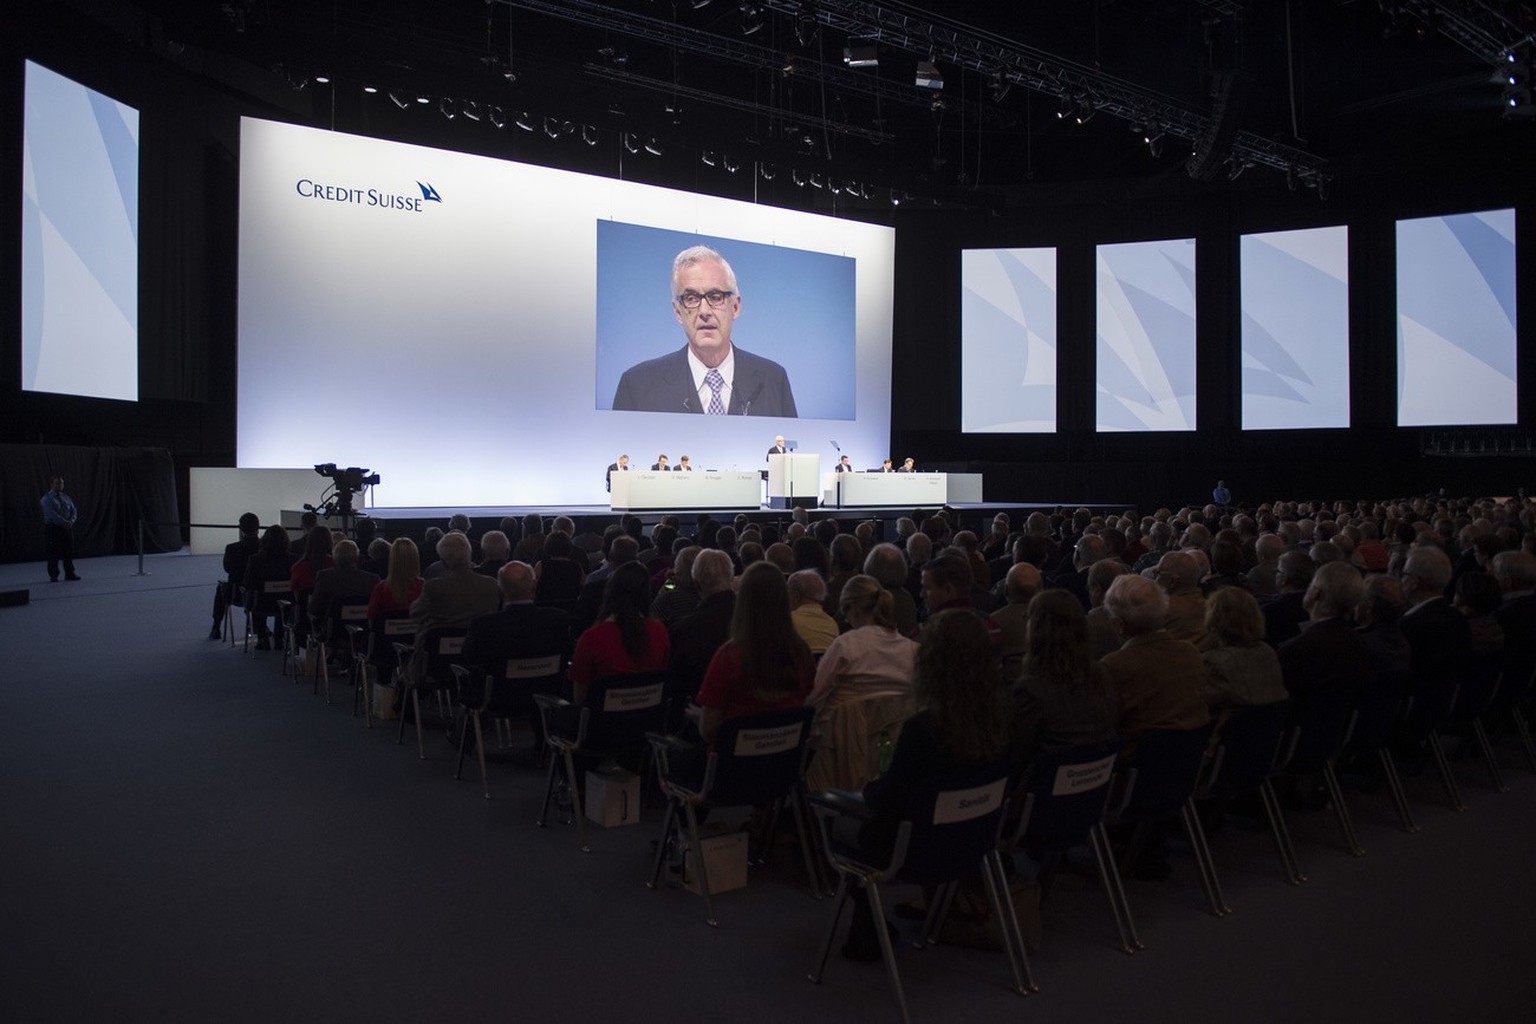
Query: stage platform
(414, 521)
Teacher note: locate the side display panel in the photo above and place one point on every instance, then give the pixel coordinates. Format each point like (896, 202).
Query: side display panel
(1008, 341)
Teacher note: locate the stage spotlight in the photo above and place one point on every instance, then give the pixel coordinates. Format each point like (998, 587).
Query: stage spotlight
(708, 158)
(1154, 144)
(797, 177)
(370, 89)
(589, 134)
(767, 171)
(400, 99)
(731, 166)
(631, 142)
(445, 106)
(817, 181)
(652, 146)
(805, 25)
(751, 19)
(470, 109)
(497, 115)
(928, 76)
(551, 128)
(525, 121)
(863, 54)
(999, 86)
(323, 79)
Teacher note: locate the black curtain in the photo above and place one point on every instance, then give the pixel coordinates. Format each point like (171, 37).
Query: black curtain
(113, 488)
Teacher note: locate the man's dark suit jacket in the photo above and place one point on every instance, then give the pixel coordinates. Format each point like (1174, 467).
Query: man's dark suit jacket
(1441, 642)
(1517, 617)
(517, 631)
(697, 638)
(665, 384)
(237, 554)
(1326, 661)
(657, 467)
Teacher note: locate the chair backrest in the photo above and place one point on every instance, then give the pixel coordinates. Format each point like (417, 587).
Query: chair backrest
(1479, 685)
(1064, 792)
(622, 709)
(1167, 764)
(1246, 749)
(388, 629)
(444, 646)
(1379, 708)
(759, 757)
(955, 821)
(1321, 725)
(511, 690)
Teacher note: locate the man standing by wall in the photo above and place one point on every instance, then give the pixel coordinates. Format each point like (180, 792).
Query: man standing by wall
(59, 515)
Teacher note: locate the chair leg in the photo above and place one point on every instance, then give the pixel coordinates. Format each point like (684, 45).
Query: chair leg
(1281, 834)
(421, 747)
(940, 901)
(803, 831)
(1395, 787)
(1447, 779)
(1523, 730)
(576, 808)
(887, 949)
(1119, 906)
(841, 898)
(668, 824)
(1494, 775)
(555, 764)
(698, 863)
(1203, 862)
(458, 768)
(1007, 923)
(1341, 810)
(485, 776)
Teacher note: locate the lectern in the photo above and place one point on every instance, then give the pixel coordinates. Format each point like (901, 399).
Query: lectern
(794, 479)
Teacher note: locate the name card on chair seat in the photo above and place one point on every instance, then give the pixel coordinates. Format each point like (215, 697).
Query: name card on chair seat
(1080, 778)
(965, 804)
(532, 668)
(634, 698)
(757, 742)
(276, 587)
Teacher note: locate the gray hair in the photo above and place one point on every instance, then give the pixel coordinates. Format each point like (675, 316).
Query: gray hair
(1139, 604)
(494, 546)
(1336, 589)
(517, 581)
(887, 565)
(700, 254)
(345, 552)
(454, 550)
(806, 586)
(712, 571)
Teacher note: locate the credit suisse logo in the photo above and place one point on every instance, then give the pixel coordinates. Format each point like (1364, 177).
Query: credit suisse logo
(399, 200)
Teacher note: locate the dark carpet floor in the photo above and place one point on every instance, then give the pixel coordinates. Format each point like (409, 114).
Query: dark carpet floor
(189, 836)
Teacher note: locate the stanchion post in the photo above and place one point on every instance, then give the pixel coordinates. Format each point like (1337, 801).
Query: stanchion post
(141, 571)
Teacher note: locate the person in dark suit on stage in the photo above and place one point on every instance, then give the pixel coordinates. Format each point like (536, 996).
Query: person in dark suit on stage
(620, 466)
(660, 465)
(778, 446)
(886, 467)
(709, 375)
(908, 466)
(843, 465)
(683, 465)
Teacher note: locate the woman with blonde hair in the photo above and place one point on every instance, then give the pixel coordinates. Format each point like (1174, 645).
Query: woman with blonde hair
(872, 657)
(402, 584)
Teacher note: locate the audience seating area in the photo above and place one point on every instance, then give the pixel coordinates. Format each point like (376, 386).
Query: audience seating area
(284, 821)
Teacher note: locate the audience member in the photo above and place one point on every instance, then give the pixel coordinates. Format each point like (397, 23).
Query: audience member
(1062, 697)
(1158, 679)
(401, 585)
(342, 583)
(812, 624)
(1241, 669)
(521, 629)
(1284, 614)
(235, 557)
(1103, 637)
(272, 561)
(1178, 573)
(1021, 584)
(886, 564)
(873, 656)
(624, 640)
(677, 595)
(697, 637)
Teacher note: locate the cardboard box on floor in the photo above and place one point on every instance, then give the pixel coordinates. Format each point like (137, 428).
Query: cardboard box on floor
(725, 859)
(613, 796)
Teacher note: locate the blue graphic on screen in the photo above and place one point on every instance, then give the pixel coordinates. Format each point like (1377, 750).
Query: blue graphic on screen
(797, 309)
(1296, 329)
(79, 241)
(1008, 341)
(1146, 336)
(1456, 320)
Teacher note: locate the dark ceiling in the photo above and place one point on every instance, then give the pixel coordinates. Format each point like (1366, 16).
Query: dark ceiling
(1284, 91)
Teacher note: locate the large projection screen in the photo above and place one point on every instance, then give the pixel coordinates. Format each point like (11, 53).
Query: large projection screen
(1456, 320)
(461, 324)
(1008, 341)
(1295, 303)
(1146, 336)
(79, 240)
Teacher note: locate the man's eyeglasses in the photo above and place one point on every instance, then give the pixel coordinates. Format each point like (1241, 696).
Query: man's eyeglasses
(715, 298)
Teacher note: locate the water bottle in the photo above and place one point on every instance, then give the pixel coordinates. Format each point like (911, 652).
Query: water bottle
(886, 748)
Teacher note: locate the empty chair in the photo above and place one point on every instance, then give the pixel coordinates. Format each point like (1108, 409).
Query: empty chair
(1380, 708)
(1475, 697)
(1243, 762)
(501, 696)
(1160, 779)
(1061, 805)
(756, 760)
(432, 670)
(614, 718)
(1318, 731)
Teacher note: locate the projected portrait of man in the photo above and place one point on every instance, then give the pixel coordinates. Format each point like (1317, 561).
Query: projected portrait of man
(709, 375)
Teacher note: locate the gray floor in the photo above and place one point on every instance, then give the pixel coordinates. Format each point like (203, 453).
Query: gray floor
(189, 836)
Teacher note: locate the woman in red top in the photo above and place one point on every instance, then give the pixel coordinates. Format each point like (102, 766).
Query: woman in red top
(396, 591)
(625, 639)
(764, 666)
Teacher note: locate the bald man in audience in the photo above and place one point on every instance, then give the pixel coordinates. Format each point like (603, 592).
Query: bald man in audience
(1261, 578)
(1021, 584)
(522, 630)
(1178, 574)
(340, 583)
(1438, 634)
